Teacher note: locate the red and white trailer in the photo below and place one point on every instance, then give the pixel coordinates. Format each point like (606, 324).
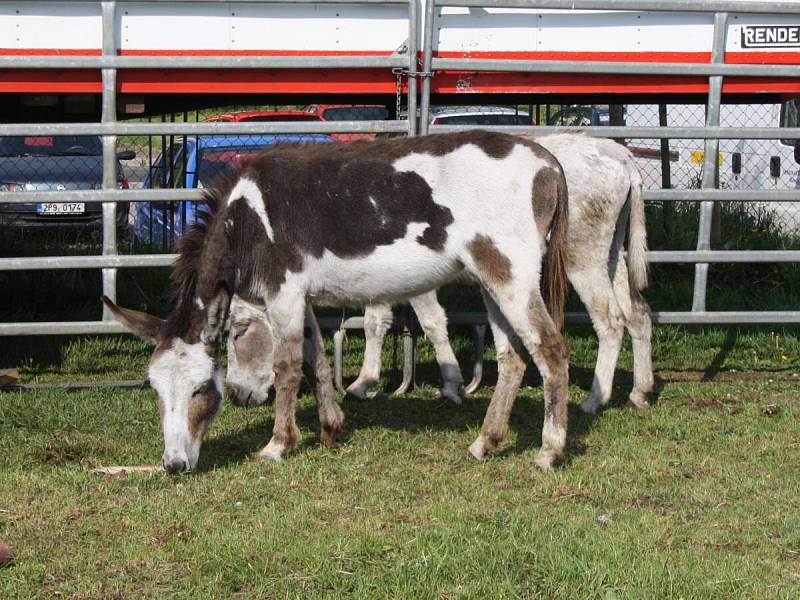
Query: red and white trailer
(36, 29)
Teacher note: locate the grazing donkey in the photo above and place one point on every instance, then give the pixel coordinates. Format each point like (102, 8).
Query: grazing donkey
(604, 197)
(369, 222)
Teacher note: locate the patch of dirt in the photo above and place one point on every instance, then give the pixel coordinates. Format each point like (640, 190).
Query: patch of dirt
(677, 376)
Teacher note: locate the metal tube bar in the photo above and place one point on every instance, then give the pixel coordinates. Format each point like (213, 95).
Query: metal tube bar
(173, 195)
(267, 1)
(637, 5)
(62, 328)
(413, 59)
(722, 133)
(116, 261)
(203, 62)
(718, 195)
(338, 343)
(40, 263)
(220, 128)
(109, 115)
(610, 67)
(78, 386)
(479, 338)
(427, 57)
(724, 256)
(710, 164)
(677, 318)
(726, 318)
(409, 362)
(203, 128)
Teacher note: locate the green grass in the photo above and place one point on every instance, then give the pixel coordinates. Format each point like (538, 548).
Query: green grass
(694, 498)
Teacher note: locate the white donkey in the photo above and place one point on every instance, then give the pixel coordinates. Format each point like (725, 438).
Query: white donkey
(604, 199)
(373, 222)
(605, 194)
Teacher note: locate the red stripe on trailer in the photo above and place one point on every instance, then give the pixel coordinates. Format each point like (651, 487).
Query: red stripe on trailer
(354, 81)
(265, 81)
(73, 81)
(50, 51)
(677, 57)
(381, 81)
(126, 52)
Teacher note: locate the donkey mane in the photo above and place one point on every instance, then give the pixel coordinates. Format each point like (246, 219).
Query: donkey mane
(190, 247)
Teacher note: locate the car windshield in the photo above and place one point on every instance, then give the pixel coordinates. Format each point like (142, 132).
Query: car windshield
(65, 145)
(356, 113)
(487, 119)
(216, 162)
(280, 117)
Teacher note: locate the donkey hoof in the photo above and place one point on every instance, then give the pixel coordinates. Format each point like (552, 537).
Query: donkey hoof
(477, 449)
(590, 406)
(272, 452)
(639, 399)
(451, 395)
(544, 460)
(329, 437)
(357, 390)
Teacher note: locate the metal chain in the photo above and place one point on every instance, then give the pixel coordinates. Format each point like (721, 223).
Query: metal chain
(398, 72)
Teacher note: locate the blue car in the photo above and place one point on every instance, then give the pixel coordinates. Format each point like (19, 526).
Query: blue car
(197, 162)
(55, 163)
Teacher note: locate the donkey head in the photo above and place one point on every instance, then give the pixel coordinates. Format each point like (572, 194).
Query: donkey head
(185, 372)
(250, 375)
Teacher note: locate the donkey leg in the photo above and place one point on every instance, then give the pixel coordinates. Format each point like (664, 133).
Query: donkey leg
(318, 372)
(534, 326)
(287, 319)
(433, 321)
(377, 321)
(511, 368)
(596, 291)
(639, 323)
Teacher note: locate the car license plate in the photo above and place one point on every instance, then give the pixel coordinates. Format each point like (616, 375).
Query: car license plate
(60, 208)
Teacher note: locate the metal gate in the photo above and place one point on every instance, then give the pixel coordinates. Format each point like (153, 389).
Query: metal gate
(408, 66)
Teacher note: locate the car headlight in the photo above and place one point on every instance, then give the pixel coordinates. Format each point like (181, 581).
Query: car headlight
(6, 186)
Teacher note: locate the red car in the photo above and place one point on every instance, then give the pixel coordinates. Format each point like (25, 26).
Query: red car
(315, 112)
(350, 112)
(265, 115)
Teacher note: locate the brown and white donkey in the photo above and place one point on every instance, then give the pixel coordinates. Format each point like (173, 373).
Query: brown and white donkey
(359, 224)
(604, 200)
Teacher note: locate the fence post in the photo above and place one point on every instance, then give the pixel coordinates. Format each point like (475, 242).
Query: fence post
(413, 62)
(666, 170)
(710, 161)
(427, 56)
(109, 115)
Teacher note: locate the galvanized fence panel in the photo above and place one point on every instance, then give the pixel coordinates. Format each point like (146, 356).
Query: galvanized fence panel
(109, 128)
(710, 129)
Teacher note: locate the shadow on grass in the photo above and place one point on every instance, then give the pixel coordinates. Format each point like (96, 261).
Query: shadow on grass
(413, 412)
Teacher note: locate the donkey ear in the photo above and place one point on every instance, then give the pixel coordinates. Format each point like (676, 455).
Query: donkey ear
(144, 325)
(217, 314)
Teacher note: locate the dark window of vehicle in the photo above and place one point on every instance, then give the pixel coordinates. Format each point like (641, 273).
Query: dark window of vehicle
(215, 162)
(64, 145)
(356, 113)
(497, 119)
(278, 117)
(174, 177)
(790, 117)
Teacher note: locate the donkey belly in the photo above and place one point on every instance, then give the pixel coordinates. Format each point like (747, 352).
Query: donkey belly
(390, 273)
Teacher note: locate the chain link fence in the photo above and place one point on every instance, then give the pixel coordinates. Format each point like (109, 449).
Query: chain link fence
(193, 162)
(743, 164)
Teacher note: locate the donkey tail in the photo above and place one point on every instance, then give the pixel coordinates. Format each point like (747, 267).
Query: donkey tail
(637, 231)
(554, 274)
